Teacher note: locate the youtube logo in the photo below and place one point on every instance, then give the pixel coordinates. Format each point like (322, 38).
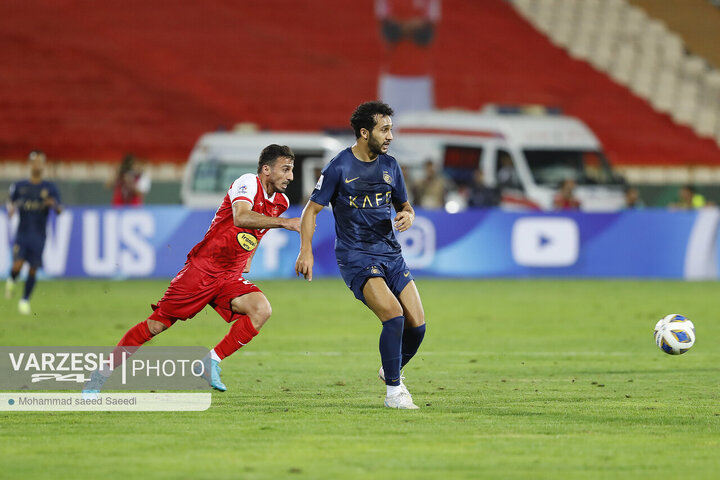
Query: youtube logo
(545, 242)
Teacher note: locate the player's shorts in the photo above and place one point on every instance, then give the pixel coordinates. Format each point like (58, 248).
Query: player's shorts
(192, 289)
(395, 272)
(30, 250)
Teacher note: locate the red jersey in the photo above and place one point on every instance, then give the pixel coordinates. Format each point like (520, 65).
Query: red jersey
(563, 203)
(122, 194)
(225, 249)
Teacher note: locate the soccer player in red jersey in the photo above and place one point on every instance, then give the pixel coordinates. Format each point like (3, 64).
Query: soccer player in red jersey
(213, 272)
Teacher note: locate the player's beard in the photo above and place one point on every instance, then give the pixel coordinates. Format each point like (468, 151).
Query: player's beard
(375, 146)
(280, 186)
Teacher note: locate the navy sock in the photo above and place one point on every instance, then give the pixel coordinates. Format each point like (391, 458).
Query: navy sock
(390, 349)
(411, 340)
(29, 285)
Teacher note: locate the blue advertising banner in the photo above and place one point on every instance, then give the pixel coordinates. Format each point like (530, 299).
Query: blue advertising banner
(154, 241)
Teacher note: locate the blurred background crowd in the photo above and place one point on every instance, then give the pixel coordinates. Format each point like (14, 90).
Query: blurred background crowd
(89, 83)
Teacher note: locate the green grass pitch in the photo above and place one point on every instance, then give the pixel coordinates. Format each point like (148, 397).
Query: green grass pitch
(516, 380)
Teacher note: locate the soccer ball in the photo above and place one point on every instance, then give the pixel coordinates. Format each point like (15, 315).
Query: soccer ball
(674, 334)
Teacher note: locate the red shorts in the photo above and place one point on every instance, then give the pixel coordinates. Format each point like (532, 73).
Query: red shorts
(192, 289)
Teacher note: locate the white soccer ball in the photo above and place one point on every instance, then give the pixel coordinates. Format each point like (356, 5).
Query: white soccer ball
(674, 334)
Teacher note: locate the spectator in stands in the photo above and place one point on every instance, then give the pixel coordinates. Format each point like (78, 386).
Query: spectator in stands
(689, 199)
(565, 197)
(430, 191)
(408, 181)
(481, 195)
(632, 198)
(408, 30)
(131, 183)
(506, 174)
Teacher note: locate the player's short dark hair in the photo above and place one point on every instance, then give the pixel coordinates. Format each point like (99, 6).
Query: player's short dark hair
(364, 115)
(272, 153)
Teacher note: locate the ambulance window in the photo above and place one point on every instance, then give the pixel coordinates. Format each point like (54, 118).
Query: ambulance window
(214, 176)
(595, 168)
(505, 171)
(552, 167)
(231, 172)
(205, 177)
(460, 162)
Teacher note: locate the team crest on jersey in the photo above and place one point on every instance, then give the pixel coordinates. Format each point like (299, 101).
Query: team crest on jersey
(44, 193)
(387, 177)
(247, 241)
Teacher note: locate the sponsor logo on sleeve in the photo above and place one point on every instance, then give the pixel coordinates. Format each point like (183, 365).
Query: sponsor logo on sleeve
(318, 185)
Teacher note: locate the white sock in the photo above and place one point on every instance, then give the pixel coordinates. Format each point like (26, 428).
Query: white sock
(214, 355)
(393, 390)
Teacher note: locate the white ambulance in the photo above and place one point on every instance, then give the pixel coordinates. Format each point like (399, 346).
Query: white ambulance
(527, 156)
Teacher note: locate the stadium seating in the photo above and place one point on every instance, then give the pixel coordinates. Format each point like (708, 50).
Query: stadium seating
(88, 82)
(638, 52)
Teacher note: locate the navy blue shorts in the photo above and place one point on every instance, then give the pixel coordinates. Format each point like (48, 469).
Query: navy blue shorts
(29, 250)
(395, 272)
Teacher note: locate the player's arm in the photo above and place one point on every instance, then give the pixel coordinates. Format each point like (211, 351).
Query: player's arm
(12, 199)
(53, 201)
(405, 216)
(244, 217)
(10, 209)
(305, 260)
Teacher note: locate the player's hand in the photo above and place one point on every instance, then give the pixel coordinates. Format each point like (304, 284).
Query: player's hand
(304, 265)
(293, 224)
(403, 221)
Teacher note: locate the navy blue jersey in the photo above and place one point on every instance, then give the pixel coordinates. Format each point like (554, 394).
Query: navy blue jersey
(29, 200)
(362, 195)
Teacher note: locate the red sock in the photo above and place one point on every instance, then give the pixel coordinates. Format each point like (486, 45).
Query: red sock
(241, 332)
(136, 336)
(131, 342)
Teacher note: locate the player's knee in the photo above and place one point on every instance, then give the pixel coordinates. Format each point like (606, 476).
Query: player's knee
(155, 327)
(390, 309)
(259, 313)
(415, 319)
(391, 313)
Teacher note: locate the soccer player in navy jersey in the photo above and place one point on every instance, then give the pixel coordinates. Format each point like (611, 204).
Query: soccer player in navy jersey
(32, 199)
(363, 183)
